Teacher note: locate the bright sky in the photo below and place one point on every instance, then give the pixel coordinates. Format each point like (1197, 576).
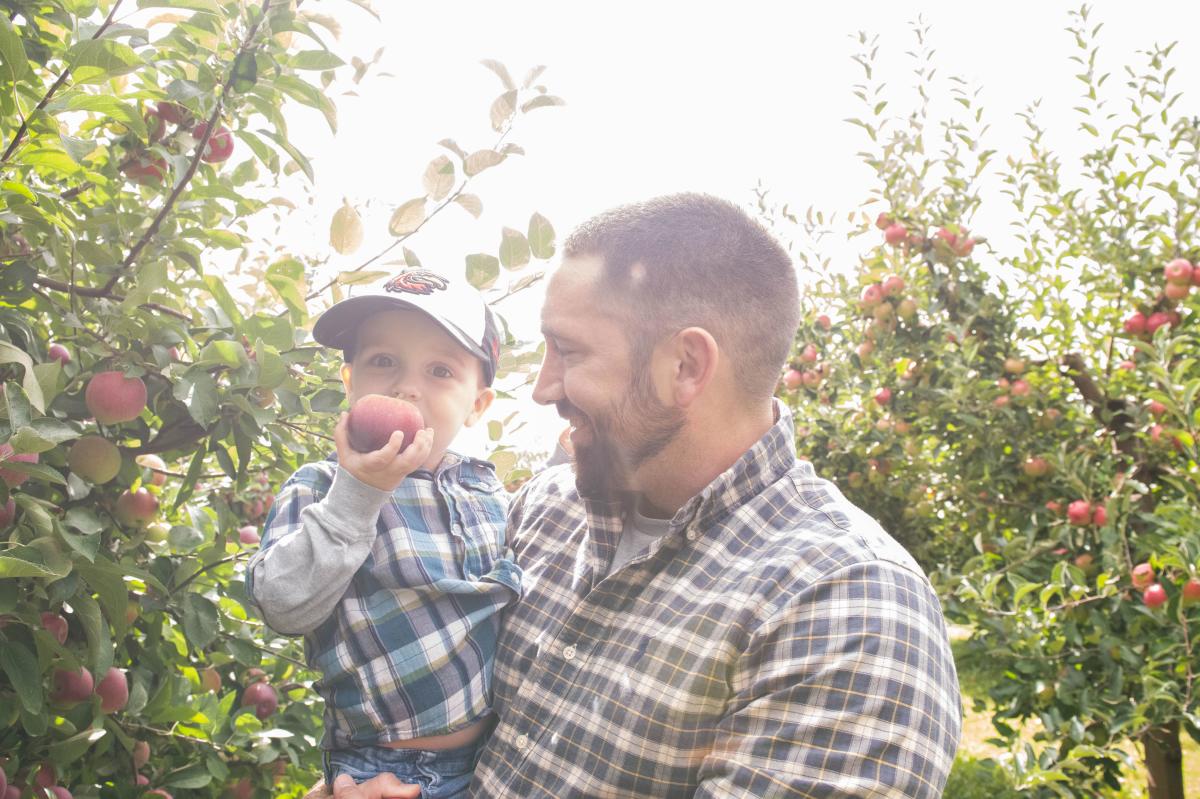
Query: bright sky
(671, 96)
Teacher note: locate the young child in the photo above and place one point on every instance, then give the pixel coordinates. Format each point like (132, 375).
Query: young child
(393, 565)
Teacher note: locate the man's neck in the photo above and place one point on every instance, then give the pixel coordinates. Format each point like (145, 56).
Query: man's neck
(704, 449)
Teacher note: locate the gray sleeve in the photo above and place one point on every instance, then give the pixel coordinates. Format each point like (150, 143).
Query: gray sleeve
(299, 579)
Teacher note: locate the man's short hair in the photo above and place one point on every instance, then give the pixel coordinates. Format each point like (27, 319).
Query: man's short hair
(686, 260)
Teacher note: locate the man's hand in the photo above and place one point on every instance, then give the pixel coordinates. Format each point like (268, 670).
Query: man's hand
(384, 468)
(384, 786)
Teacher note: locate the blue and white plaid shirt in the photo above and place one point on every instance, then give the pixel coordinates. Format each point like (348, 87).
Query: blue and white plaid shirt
(408, 649)
(774, 643)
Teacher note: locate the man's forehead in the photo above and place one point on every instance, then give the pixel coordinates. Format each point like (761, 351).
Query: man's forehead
(573, 291)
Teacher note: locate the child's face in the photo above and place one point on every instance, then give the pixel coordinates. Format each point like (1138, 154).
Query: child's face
(405, 354)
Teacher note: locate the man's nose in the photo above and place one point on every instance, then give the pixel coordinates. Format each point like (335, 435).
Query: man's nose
(548, 389)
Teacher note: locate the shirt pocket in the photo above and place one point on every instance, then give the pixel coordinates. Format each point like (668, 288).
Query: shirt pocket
(480, 511)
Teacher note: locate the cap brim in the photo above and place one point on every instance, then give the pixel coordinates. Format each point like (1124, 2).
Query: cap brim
(337, 326)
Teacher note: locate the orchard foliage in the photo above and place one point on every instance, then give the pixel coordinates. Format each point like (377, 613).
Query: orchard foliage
(148, 411)
(1021, 408)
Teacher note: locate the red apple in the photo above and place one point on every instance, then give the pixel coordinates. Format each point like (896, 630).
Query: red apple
(57, 352)
(1135, 325)
(56, 625)
(1127, 366)
(248, 535)
(95, 459)
(45, 776)
(1154, 595)
(173, 113)
(883, 396)
(1084, 560)
(824, 322)
(156, 126)
(1036, 466)
(1177, 291)
(1079, 512)
(141, 754)
(140, 780)
(263, 697)
(113, 691)
(146, 170)
(883, 221)
(1000, 401)
(242, 789)
(1191, 591)
(155, 466)
(872, 295)
(210, 680)
(811, 380)
(1157, 320)
(71, 686)
(112, 397)
(136, 508)
(1020, 388)
(895, 234)
(220, 144)
(893, 286)
(792, 379)
(1054, 507)
(1156, 408)
(12, 476)
(1100, 516)
(1178, 272)
(1142, 575)
(809, 353)
(375, 417)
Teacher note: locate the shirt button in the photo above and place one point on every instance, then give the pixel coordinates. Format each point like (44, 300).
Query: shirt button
(569, 653)
(692, 534)
(522, 742)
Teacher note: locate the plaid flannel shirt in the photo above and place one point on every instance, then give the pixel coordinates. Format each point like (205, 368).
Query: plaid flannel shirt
(408, 649)
(775, 643)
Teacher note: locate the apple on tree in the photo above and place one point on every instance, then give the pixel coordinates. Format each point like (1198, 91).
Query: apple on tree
(1154, 595)
(57, 352)
(136, 508)
(1142, 575)
(56, 625)
(112, 398)
(113, 690)
(895, 234)
(11, 476)
(71, 687)
(95, 459)
(220, 144)
(262, 696)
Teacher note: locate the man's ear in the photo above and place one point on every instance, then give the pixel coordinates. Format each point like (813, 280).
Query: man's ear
(482, 403)
(695, 355)
(346, 377)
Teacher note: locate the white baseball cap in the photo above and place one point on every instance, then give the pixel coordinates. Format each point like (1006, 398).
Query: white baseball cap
(451, 302)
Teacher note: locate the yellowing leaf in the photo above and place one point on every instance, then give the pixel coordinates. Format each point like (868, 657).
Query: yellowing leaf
(408, 217)
(439, 177)
(470, 203)
(480, 160)
(346, 229)
(502, 109)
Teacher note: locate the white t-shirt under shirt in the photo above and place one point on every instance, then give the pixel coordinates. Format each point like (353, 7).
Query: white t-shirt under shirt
(637, 534)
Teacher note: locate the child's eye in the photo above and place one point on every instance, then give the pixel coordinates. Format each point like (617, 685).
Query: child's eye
(381, 361)
(441, 371)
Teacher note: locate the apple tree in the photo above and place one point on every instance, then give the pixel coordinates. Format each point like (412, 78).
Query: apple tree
(148, 410)
(1019, 406)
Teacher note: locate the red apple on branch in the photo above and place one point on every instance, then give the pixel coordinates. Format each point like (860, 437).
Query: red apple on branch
(1154, 595)
(220, 144)
(56, 625)
(1079, 512)
(1178, 271)
(1191, 591)
(263, 697)
(113, 398)
(57, 352)
(71, 687)
(137, 508)
(11, 476)
(1135, 325)
(895, 234)
(113, 691)
(1142, 575)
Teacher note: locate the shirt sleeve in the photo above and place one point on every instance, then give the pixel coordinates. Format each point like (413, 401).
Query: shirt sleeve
(313, 543)
(847, 691)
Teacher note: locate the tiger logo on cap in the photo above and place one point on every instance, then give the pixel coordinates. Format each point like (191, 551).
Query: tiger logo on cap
(417, 281)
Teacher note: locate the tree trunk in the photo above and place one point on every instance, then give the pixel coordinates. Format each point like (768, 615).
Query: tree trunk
(1164, 761)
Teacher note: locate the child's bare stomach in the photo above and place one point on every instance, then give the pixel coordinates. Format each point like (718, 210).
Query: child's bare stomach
(451, 740)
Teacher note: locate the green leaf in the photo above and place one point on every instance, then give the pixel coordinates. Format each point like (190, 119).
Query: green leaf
(96, 60)
(203, 402)
(327, 400)
(63, 753)
(196, 776)
(315, 59)
(10, 354)
(38, 471)
(216, 287)
(200, 620)
(104, 105)
(17, 405)
(107, 579)
(26, 561)
(14, 63)
(482, 270)
(21, 666)
(541, 237)
(287, 278)
(228, 353)
(100, 650)
(514, 249)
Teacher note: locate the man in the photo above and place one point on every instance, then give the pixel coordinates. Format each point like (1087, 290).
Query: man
(703, 615)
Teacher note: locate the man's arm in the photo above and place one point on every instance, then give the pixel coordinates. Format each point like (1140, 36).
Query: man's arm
(848, 691)
(312, 546)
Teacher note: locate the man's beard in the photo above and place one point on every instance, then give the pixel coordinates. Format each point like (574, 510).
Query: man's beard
(636, 429)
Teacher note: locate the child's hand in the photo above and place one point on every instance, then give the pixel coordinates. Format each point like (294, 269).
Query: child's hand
(384, 468)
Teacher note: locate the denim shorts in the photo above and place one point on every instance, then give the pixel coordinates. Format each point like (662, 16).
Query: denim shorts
(443, 774)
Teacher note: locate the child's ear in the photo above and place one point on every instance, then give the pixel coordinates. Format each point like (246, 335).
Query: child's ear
(482, 403)
(346, 377)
